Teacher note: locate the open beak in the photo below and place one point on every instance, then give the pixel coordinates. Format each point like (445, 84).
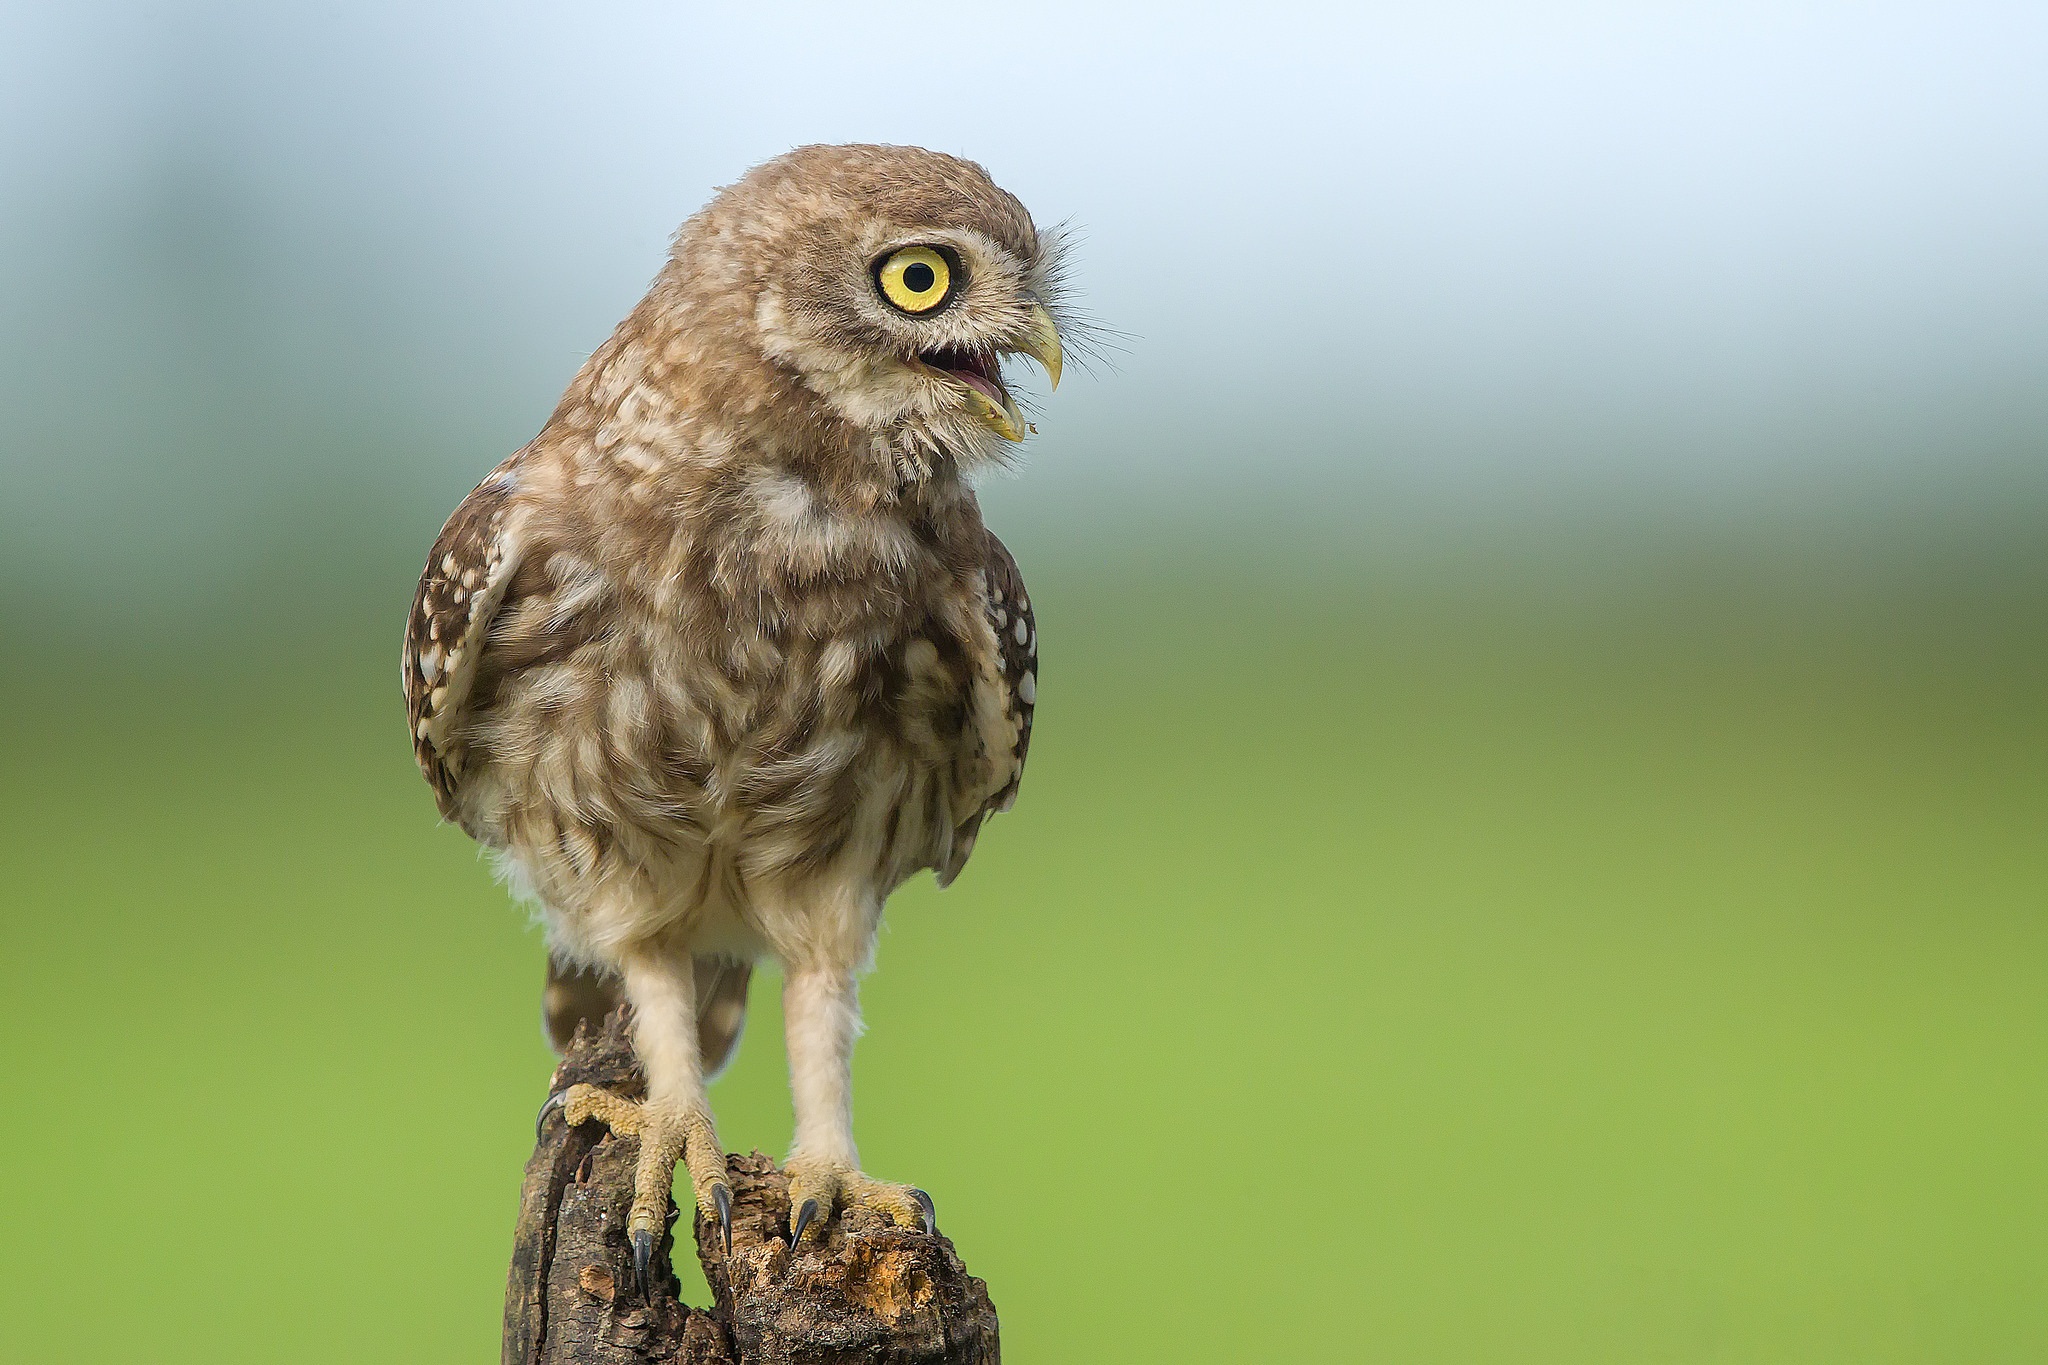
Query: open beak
(979, 376)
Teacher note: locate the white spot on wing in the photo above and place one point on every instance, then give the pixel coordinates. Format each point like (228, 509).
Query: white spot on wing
(1027, 689)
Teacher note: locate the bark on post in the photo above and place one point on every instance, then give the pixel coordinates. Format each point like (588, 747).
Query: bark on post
(868, 1293)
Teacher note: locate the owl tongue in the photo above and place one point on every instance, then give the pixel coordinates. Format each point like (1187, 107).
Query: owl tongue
(975, 380)
(971, 369)
(979, 374)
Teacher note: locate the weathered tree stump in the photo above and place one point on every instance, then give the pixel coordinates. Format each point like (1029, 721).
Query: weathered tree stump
(867, 1292)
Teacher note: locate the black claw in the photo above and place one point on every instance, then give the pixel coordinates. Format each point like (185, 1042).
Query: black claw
(931, 1215)
(803, 1219)
(643, 1252)
(722, 1198)
(540, 1120)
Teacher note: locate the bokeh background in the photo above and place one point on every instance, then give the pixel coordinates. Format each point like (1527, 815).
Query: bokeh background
(1534, 846)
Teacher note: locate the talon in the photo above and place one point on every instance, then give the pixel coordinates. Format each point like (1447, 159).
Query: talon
(643, 1252)
(721, 1196)
(558, 1100)
(931, 1214)
(803, 1219)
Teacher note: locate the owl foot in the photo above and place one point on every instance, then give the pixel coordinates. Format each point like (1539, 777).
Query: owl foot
(817, 1189)
(667, 1134)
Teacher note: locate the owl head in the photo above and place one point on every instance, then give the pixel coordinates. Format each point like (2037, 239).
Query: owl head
(891, 282)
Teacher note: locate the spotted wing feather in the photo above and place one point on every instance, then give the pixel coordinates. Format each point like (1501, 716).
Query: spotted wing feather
(1016, 632)
(465, 580)
(1015, 628)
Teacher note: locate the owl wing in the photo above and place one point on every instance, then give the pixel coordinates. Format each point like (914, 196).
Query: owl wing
(472, 564)
(1016, 632)
(1011, 621)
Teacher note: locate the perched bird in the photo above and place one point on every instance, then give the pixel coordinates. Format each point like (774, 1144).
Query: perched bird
(725, 654)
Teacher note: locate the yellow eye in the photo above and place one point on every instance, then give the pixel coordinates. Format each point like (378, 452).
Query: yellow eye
(916, 279)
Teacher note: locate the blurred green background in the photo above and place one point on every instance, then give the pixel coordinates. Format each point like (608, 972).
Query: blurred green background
(1533, 848)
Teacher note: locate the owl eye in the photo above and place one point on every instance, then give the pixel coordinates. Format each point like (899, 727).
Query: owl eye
(917, 279)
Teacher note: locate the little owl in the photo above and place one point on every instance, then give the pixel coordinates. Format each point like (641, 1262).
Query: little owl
(725, 654)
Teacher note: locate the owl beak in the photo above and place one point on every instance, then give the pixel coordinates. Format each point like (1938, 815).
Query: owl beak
(1001, 415)
(977, 377)
(980, 380)
(1041, 341)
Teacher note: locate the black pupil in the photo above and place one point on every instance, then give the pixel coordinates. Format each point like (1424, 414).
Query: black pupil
(918, 278)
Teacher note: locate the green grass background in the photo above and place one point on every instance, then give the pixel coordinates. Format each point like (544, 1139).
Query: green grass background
(1415, 973)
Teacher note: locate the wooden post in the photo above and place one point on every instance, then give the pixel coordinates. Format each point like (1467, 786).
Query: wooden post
(868, 1292)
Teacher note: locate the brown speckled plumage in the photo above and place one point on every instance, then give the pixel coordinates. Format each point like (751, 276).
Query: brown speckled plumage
(726, 653)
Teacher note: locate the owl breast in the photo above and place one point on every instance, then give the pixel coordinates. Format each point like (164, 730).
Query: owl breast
(851, 733)
(869, 768)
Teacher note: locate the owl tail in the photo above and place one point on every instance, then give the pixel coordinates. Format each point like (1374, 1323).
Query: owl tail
(721, 1009)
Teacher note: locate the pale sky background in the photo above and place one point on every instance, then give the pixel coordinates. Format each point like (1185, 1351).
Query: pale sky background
(276, 271)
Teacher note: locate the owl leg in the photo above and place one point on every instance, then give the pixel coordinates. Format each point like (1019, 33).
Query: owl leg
(821, 1019)
(674, 1122)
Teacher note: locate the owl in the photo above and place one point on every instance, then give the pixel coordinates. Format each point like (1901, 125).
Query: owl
(725, 654)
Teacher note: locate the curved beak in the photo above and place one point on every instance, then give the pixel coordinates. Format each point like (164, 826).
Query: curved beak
(1041, 341)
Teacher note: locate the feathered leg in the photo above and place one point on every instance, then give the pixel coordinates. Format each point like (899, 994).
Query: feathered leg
(576, 995)
(674, 1122)
(821, 1019)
